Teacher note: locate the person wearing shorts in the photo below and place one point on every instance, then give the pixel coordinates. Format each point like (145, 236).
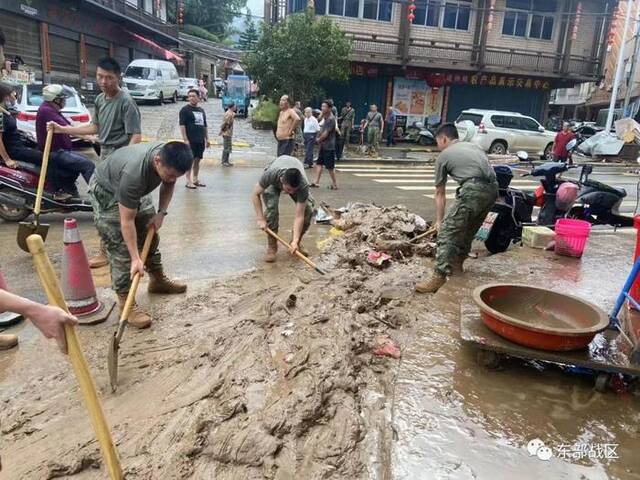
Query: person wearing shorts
(327, 141)
(193, 126)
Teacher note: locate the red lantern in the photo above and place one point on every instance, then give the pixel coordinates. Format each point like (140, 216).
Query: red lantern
(412, 7)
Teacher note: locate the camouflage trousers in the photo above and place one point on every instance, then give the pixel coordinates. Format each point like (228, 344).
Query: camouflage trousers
(373, 137)
(106, 216)
(227, 147)
(271, 200)
(474, 200)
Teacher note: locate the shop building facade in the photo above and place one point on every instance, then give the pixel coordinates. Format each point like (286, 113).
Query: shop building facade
(458, 54)
(61, 41)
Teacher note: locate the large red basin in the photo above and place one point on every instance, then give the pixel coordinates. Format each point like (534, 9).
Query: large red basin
(539, 318)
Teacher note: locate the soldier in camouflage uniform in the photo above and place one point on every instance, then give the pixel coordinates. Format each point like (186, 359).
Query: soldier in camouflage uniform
(469, 166)
(120, 192)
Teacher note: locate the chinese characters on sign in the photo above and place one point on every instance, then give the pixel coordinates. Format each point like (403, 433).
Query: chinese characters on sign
(592, 451)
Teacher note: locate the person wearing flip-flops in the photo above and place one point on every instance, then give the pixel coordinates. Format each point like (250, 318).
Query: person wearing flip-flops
(327, 141)
(193, 126)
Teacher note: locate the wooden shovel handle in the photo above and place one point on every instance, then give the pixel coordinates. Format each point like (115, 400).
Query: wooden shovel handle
(43, 172)
(76, 357)
(298, 254)
(431, 231)
(131, 297)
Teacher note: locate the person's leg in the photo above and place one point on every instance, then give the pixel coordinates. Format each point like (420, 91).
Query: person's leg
(376, 140)
(289, 146)
(76, 163)
(271, 199)
(319, 165)
(330, 165)
(479, 199)
(308, 148)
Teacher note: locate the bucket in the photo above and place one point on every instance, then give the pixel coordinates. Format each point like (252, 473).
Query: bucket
(571, 237)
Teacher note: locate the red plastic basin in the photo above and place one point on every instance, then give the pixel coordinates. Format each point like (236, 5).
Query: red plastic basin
(539, 318)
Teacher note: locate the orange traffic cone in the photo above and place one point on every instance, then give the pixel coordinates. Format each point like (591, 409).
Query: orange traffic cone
(77, 282)
(7, 318)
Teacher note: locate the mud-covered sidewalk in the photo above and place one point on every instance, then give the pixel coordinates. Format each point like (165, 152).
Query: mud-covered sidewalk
(239, 380)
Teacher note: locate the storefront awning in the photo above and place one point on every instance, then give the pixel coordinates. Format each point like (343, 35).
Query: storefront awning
(163, 52)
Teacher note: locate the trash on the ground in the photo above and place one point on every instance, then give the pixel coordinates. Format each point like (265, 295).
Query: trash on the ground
(385, 346)
(602, 143)
(628, 130)
(378, 259)
(322, 216)
(291, 301)
(335, 232)
(537, 236)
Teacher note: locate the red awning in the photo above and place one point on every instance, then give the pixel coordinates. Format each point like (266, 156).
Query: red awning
(166, 54)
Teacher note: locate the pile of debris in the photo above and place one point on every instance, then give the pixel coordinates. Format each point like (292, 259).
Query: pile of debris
(366, 228)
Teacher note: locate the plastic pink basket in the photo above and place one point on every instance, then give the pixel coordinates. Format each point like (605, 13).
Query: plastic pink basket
(571, 237)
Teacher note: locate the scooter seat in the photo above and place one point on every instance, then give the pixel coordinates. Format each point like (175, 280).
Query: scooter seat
(29, 167)
(621, 192)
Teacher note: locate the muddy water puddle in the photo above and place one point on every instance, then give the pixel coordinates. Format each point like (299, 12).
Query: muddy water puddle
(457, 420)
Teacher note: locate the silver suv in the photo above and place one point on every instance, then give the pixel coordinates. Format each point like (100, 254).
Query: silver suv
(500, 132)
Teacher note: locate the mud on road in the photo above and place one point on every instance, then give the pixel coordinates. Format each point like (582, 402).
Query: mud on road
(262, 375)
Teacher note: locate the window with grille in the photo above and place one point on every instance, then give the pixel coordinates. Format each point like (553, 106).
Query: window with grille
(530, 18)
(450, 14)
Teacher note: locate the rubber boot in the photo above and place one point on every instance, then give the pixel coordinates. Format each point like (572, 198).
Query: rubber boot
(8, 341)
(160, 283)
(99, 260)
(272, 249)
(433, 284)
(137, 318)
(456, 266)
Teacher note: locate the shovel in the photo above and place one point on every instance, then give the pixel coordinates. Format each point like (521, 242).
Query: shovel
(76, 357)
(25, 228)
(431, 231)
(298, 254)
(114, 344)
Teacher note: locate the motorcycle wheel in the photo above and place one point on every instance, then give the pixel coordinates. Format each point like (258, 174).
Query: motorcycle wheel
(13, 214)
(501, 236)
(424, 141)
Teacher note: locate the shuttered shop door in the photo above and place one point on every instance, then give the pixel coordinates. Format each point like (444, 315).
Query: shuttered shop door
(65, 55)
(121, 55)
(94, 54)
(22, 39)
(525, 101)
(361, 91)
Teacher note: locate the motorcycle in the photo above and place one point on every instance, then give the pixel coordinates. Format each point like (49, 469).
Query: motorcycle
(598, 203)
(18, 194)
(513, 208)
(417, 133)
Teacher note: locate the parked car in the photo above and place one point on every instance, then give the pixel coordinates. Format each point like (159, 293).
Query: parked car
(30, 98)
(499, 132)
(187, 84)
(152, 80)
(587, 130)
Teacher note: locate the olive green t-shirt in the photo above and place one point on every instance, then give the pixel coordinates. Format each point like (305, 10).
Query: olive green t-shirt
(272, 176)
(129, 174)
(463, 161)
(117, 119)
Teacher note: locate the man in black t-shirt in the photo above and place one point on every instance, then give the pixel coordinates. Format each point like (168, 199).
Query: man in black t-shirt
(327, 141)
(193, 125)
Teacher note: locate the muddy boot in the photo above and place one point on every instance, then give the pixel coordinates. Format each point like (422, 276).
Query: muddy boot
(137, 318)
(99, 260)
(8, 341)
(159, 283)
(433, 284)
(272, 249)
(456, 266)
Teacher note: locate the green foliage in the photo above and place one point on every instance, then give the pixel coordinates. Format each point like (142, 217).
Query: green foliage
(267, 111)
(214, 16)
(293, 57)
(200, 32)
(249, 37)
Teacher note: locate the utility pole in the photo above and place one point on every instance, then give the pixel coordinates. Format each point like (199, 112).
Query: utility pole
(634, 65)
(619, 68)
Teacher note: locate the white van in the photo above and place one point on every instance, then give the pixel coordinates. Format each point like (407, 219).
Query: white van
(154, 80)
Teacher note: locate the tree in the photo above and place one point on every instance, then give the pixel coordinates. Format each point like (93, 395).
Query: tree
(249, 37)
(215, 16)
(295, 56)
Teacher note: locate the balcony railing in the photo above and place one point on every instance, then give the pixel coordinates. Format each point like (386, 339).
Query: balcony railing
(137, 14)
(464, 56)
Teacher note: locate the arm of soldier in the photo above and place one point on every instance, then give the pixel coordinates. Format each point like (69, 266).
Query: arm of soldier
(441, 204)
(130, 236)
(132, 123)
(49, 320)
(256, 199)
(166, 193)
(298, 225)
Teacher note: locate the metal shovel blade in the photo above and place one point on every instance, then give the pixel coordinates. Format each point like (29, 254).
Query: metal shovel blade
(29, 228)
(112, 361)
